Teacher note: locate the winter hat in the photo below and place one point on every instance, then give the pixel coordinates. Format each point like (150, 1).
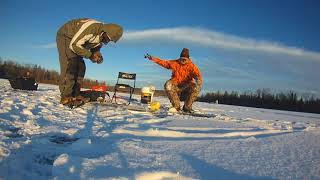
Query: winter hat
(184, 53)
(113, 31)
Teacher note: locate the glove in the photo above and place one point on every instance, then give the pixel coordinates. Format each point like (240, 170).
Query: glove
(96, 57)
(100, 60)
(148, 56)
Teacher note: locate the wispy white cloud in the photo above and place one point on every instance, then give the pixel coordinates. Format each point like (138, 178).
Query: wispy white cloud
(214, 39)
(46, 46)
(247, 64)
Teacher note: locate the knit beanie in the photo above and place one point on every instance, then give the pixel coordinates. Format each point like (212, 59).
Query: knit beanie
(184, 53)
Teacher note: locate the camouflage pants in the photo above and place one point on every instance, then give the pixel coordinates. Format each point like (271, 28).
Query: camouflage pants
(72, 68)
(184, 92)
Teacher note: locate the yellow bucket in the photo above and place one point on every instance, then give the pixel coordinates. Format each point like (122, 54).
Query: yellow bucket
(155, 106)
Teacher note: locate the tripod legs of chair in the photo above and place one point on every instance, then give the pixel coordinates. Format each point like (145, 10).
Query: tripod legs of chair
(115, 95)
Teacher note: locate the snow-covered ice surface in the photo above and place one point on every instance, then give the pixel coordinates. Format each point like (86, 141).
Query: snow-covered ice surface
(40, 139)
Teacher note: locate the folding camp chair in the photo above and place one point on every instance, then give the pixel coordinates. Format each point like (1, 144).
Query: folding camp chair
(124, 87)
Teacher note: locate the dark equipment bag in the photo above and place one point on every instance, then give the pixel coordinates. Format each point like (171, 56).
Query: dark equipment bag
(24, 83)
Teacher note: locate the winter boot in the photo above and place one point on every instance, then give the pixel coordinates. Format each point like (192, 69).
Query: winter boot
(187, 109)
(67, 100)
(73, 102)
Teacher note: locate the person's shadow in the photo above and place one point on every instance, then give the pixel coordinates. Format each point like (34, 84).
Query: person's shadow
(209, 171)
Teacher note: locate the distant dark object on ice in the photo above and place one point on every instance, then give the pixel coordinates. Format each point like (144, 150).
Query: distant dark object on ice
(24, 83)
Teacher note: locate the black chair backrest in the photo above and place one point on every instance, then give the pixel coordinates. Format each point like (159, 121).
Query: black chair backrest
(127, 76)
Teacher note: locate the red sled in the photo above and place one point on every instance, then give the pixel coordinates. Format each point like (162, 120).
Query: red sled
(100, 88)
(96, 93)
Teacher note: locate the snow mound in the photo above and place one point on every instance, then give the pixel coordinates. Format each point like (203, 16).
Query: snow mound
(162, 175)
(178, 134)
(67, 167)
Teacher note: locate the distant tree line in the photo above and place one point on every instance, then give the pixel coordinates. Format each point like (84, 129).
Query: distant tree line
(10, 69)
(263, 98)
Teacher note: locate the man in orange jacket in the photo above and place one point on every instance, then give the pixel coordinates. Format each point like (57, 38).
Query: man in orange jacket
(186, 80)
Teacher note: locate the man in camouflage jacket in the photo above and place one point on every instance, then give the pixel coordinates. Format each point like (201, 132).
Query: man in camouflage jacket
(78, 39)
(186, 80)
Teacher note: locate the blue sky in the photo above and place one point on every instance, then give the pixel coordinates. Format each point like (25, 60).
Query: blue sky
(238, 45)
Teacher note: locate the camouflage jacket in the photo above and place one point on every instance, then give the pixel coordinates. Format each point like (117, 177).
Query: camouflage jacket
(85, 35)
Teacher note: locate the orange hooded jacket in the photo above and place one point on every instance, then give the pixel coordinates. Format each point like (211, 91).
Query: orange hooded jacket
(181, 73)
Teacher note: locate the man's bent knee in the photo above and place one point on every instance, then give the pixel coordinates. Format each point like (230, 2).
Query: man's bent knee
(168, 86)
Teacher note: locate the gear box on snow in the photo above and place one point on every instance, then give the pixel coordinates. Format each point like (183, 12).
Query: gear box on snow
(96, 93)
(147, 94)
(24, 83)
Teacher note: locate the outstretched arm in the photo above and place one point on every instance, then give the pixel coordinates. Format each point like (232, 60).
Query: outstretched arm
(163, 63)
